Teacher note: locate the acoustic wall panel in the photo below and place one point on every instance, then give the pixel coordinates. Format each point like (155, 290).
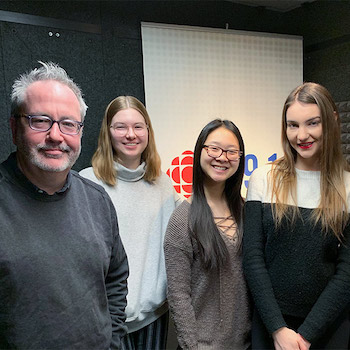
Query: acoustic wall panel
(79, 53)
(344, 114)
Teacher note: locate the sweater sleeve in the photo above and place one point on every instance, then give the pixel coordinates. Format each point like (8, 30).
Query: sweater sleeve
(254, 255)
(334, 299)
(178, 261)
(116, 285)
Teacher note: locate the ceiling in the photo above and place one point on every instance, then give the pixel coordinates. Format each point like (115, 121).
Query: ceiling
(276, 5)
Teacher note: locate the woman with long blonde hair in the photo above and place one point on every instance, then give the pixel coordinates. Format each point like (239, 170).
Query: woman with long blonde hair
(296, 243)
(126, 163)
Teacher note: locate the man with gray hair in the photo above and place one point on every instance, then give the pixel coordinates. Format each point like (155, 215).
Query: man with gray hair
(63, 268)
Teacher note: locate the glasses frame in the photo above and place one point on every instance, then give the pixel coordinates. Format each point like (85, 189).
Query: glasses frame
(30, 117)
(239, 153)
(127, 129)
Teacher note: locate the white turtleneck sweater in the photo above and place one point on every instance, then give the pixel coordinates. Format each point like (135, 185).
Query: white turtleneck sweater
(143, 211)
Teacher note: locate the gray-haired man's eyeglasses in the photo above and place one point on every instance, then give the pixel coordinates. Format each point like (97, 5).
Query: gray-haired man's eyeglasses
(44, 123)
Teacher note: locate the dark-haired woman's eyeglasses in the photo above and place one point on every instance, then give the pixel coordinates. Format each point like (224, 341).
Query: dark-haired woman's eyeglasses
(216, 152)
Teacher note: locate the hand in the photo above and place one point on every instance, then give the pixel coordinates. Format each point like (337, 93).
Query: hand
(286, 339)
(304, 342)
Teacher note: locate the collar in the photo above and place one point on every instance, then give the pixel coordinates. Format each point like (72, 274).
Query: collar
(16, 177)
(130, 175)
(308, 174)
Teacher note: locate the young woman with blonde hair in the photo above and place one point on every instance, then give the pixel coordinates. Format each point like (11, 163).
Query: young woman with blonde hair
(296, 243)
(126, 163)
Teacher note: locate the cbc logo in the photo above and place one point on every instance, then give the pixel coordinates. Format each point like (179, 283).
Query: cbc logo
(180, 172)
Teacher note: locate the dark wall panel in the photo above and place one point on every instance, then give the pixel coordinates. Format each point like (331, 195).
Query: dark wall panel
(123, 74)
(79, 53)
(344, 114)
(325, 27)
(331, 68)
(82, 11)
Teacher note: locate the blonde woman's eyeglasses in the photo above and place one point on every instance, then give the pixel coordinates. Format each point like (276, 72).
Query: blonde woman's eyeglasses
(122, 129)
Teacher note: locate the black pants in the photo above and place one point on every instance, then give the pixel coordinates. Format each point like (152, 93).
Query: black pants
(335, 338)
(151, 337)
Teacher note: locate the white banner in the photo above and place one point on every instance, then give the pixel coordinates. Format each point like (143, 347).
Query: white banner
(194, 75)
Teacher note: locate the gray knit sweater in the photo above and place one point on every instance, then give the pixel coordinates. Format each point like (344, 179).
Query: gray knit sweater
(210, 308)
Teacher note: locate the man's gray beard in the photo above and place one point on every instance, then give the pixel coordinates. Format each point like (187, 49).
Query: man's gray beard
(33, 155)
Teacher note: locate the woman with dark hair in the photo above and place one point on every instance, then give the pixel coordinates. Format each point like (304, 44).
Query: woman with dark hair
(296, 246)
(126, 163)
(206, 288)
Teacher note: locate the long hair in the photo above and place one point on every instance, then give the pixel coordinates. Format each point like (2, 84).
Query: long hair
(332, 209)
(105, 155)
(212, 248)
